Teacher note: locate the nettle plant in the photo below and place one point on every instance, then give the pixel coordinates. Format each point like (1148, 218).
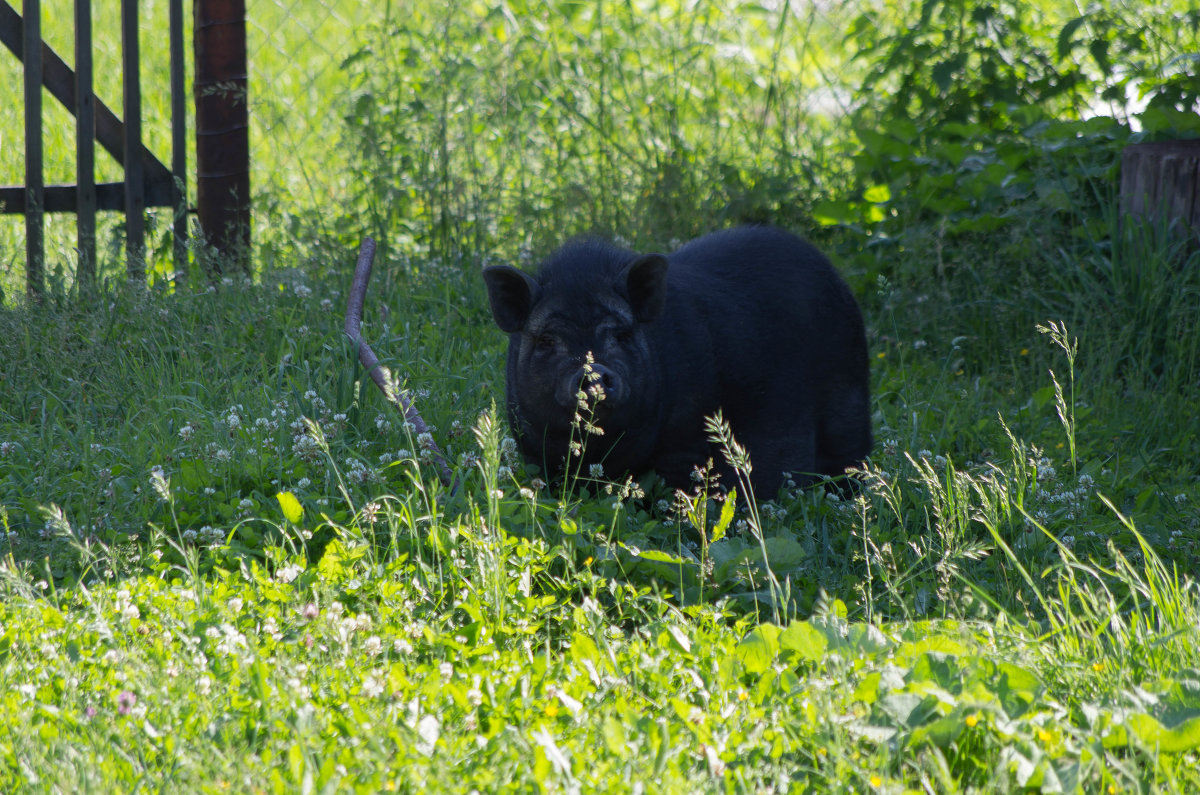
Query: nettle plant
(1002, 121)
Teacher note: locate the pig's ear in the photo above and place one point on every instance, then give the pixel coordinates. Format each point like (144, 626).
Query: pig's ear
(511, 294)
(646, 285)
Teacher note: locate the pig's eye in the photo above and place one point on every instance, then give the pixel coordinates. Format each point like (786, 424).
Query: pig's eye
(544, 343)
(623, 336)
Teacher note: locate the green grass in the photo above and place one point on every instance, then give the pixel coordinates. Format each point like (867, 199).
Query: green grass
(227, 566)
(979, 621)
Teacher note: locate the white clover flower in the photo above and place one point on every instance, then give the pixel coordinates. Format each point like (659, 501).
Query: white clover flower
(596, 470)
(271, 628)
(402, 646)
(230, 640)
(373, 645)
(288, 573)
(372, 687)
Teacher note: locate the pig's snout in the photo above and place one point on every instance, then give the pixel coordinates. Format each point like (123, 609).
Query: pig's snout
(601, 386)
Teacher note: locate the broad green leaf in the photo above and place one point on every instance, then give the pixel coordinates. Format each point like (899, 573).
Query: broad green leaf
(783, 553)
(867, 691)
(1173, 740)
(584, 648)
(866, 638)
(904, 708)
(930, 643)
(759, 649)
(878, 194)
(804, 640)
(941, 732)
(613, 732)
(830, 213)
(941, 669)
(1066, 35)
(1017, 688)
(292, 510)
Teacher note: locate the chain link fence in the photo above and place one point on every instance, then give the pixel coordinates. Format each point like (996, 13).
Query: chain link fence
(299, 158)
(451, 124)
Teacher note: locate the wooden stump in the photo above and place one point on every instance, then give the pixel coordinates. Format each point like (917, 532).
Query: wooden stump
(1163, 179)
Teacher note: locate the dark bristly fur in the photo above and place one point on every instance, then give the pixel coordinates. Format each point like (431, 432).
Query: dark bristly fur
(752, 321)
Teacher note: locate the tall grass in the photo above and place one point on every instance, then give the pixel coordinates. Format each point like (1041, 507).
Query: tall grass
(227, 564)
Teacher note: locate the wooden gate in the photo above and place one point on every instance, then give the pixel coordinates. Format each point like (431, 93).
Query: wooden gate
(148, 183)
(223, 182)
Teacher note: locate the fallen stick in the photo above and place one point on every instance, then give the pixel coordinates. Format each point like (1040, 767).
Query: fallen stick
(379, 374)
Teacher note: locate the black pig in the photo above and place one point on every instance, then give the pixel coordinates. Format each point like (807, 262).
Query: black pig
(752, 321)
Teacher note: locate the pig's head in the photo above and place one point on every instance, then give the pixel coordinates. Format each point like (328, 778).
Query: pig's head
(581, 356)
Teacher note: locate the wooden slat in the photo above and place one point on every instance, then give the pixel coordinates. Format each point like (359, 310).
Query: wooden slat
(110, 196)
(1162, 179)
(135, 183)
(31, 43)
(178, 139)
(85, 146)
(60, 82)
